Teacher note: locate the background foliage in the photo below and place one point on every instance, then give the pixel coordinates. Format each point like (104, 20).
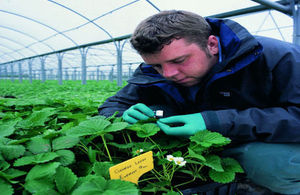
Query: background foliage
(53, 141)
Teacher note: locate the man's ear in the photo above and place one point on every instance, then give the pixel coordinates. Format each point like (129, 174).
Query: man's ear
(212, 45)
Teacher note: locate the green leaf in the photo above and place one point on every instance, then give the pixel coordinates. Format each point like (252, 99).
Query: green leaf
(66, 157)
(6, 130)
(230, 167)
(176, 142)
(193, 154)
(10, 152)
(207, 139)
(42, 171)
(3, 164)
(147, 130)
(189, 161)
(37, 118)
(66, 127)
(221, 177)
(198, 148)
(35, 159)
(64, 142)
(47, 191)
(89, 127)
(117, 126)
(41, 177)
(110, 187)
(38, 186)
(146, 146)
(102, 169)
(12, 173)
(39, 145)
(92, 154)
(6, 188)
(214, 162)
(50, 133)
(20, 141)
(65, 179)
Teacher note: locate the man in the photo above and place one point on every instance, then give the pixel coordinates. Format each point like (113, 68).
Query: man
(213, 74)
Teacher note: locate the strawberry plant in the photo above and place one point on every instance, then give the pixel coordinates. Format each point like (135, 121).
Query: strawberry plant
(58, 144)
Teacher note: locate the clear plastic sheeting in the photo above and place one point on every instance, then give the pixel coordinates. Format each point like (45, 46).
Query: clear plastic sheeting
(36, 35)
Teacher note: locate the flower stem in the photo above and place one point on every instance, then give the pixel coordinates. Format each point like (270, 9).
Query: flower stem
(185, 182)
(157, 174)
(164, 167)
(147, 179)
(155, 144)
(106, 148)
(129, 138)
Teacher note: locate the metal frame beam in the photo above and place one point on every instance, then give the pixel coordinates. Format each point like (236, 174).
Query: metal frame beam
(276, 6)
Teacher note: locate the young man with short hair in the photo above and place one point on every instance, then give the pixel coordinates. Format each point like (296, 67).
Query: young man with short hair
(208, 73)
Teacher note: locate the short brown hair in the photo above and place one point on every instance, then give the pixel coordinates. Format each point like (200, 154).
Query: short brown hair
(160, 29)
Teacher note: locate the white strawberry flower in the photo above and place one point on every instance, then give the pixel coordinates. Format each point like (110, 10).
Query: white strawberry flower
(139, 151)
(179, 161)
(170, 158)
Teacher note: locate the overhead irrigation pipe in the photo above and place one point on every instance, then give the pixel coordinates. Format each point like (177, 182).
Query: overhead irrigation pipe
(276, 6)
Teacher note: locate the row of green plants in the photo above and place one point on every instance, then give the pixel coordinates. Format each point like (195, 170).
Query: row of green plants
(53, 141)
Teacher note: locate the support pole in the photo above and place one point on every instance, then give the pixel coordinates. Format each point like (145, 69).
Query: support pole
(119, 65)
(20, 72)
(5, 71)
(98, 73)
(83, 52)
(74, 74)
(111, 75)
(30, 70)
(12, 72)
(119, 48)
(296, 18)
(43, 71)
(59, 71)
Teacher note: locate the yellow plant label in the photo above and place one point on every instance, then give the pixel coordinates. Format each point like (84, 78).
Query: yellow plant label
(132, 169)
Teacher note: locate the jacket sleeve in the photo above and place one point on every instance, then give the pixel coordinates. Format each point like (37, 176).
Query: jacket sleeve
(279, 122)
(120, 102)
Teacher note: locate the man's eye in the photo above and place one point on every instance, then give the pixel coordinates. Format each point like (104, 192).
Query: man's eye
(178, 61)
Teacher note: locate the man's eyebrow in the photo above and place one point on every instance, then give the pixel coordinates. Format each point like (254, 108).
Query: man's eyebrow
(177, 58)
(171, 60)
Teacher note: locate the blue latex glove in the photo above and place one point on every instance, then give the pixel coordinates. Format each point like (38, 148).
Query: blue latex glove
(189, 124)
(137, 112)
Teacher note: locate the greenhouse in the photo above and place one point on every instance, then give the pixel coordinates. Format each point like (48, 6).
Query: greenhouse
(50, 40)
(62, 60)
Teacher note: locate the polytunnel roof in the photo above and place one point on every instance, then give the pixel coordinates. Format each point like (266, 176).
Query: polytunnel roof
(35, 27)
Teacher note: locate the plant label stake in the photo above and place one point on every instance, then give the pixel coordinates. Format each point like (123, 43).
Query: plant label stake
(132, 169)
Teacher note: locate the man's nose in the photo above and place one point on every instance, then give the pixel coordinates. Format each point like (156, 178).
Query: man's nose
(169, 71)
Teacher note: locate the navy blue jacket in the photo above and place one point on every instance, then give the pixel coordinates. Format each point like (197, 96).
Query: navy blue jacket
(253, 94)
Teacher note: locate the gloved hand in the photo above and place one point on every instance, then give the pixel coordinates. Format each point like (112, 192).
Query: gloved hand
(190, 124)
(137, 112)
